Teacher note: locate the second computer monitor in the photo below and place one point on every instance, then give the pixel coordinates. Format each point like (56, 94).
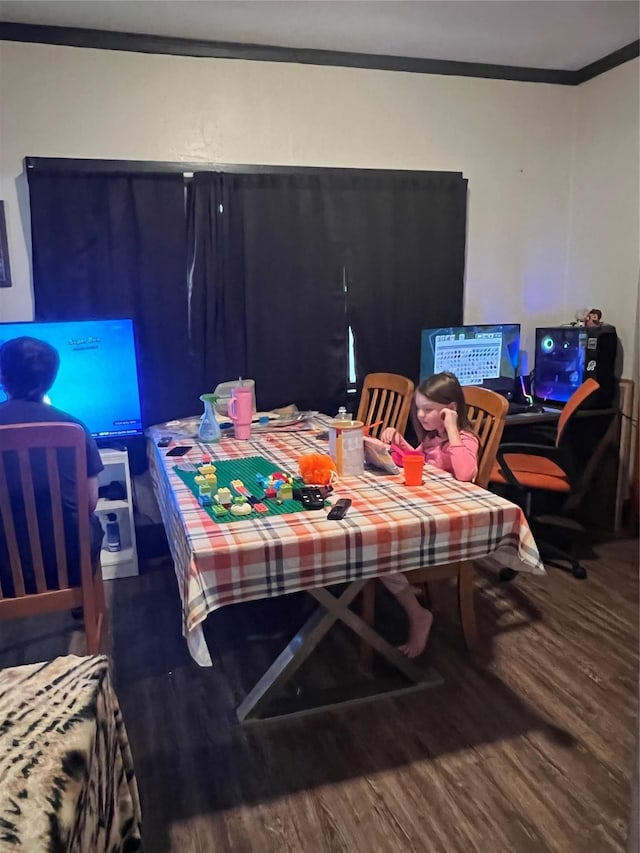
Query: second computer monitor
(478, 355)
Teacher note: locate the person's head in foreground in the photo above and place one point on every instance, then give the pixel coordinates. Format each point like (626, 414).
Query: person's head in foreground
(28, 368)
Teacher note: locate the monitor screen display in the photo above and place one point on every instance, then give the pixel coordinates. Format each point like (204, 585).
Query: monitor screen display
(559, 362)
(98, 378)
(478, 355)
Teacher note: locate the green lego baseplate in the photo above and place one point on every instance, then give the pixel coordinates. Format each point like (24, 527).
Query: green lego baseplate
(244, 469)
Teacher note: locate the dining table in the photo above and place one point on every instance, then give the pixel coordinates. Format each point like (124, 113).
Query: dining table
(390, 527)
(67, 779)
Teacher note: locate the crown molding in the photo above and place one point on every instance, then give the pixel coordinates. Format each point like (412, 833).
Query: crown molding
(138, 43)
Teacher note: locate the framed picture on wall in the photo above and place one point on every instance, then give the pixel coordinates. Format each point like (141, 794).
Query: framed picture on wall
(5, 269)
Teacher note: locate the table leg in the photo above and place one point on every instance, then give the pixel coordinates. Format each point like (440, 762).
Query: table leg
(332, 609)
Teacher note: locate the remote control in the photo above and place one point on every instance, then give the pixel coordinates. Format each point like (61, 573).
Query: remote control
(339, 509)
(309, 497)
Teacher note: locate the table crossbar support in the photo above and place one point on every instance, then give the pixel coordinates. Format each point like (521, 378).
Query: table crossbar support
(332, 608)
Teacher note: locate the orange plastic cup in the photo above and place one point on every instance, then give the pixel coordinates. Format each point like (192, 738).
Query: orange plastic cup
(413, 464)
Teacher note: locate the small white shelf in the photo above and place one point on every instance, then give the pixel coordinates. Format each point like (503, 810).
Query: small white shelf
(122, 563)
(112, 558)
(111, 506)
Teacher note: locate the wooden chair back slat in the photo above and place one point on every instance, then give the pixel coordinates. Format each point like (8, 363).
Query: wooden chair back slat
(31, 514)
(385, 397)
(56, 513)
(10, 534)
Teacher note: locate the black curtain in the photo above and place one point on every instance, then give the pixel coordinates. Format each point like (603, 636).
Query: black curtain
(279, 265)
(114, 245)
(284, 263)
(404, 244)
(269, 287)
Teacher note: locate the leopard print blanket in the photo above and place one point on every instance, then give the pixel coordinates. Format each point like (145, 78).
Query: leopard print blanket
(66, 771)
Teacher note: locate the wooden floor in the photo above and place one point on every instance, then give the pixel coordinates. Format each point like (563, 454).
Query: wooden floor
(528, 749)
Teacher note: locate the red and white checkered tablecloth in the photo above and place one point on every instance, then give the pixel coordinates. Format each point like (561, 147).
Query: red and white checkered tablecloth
(389, 528)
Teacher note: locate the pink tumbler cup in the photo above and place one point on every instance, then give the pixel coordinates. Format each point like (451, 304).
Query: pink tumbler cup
(241, 411)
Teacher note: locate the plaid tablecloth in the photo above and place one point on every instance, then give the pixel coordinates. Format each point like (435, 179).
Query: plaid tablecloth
(389, 528)
(66, 772)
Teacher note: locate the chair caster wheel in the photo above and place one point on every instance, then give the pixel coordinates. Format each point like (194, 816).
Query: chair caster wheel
(507, 575)
(578, 572)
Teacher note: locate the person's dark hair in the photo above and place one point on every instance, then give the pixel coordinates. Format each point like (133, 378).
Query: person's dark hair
(443, 388)
(28, 368)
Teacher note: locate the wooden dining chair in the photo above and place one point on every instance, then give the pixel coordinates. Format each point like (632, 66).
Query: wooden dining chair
(486, 412)
(31, 508)
(386, 397)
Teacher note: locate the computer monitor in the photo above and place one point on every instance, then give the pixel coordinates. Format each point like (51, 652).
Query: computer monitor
(478, 355)
(98, 378)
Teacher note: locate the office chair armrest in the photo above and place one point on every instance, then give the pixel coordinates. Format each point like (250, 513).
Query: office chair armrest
(556, 455)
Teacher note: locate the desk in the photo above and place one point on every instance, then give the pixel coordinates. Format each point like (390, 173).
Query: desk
(389, 528)
(66, 771)
(551, 416)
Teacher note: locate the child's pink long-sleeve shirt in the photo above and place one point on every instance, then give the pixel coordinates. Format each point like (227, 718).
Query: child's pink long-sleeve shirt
(460, 460)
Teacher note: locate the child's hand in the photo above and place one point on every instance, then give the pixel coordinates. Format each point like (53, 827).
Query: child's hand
(450, 418)
(390, 436)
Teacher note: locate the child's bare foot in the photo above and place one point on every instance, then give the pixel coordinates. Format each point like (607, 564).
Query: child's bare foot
(419, 628)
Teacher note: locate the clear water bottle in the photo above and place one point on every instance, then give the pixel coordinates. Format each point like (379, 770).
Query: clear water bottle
(113, 532)
(342, 415)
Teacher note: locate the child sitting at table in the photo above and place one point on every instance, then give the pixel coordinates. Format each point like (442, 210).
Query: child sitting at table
(439, 417)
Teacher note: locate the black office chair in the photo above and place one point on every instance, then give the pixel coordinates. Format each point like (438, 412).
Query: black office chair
(542, 467)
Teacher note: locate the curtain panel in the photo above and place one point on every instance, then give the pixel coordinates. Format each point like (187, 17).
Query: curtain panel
(111, 245)
(268, 290)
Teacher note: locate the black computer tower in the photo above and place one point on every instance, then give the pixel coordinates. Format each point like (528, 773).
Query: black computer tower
(566, 356)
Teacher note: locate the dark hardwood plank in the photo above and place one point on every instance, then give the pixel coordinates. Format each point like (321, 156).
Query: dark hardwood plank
(526, 748)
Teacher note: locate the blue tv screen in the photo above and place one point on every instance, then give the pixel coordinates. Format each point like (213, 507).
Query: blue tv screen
(98, 377)
(478, 355)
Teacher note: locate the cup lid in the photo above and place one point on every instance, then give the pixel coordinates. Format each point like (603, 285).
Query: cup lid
(346, 424)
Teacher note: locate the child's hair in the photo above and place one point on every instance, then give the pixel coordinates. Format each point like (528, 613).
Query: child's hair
(28, 368)
(443, 388)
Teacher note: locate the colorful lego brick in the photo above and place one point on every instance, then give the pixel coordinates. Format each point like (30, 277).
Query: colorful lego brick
(224, 496)
(285, 492)
(218, 509)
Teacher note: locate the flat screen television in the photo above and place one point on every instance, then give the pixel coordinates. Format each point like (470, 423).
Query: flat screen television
(559, 362)
(98, 377)
(478, 355)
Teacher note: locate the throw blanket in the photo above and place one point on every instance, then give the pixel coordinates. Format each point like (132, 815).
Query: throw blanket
(66, 771)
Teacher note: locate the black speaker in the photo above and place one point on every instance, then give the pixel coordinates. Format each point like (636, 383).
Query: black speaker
(600, 363)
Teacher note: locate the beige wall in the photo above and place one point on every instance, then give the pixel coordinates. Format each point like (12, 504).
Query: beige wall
(604, 233)
(517, 143)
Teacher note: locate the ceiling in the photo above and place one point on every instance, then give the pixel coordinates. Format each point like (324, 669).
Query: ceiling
(548, 34)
